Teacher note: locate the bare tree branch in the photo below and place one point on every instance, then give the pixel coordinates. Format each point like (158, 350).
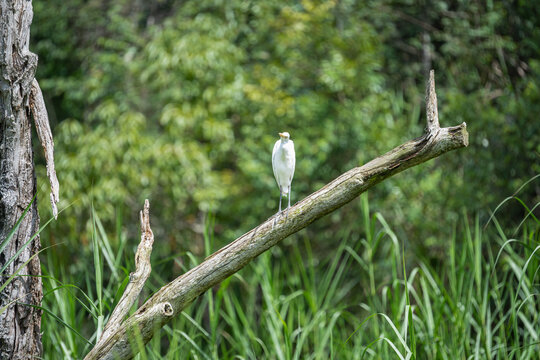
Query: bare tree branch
(171, 299)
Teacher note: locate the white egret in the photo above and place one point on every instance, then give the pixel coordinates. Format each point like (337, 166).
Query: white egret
(283, 162)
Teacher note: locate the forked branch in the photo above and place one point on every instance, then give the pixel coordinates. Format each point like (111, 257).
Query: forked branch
(172, 298)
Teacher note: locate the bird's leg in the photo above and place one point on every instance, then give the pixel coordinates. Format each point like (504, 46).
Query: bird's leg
(280, 196)
(289, 202)
(279, 211)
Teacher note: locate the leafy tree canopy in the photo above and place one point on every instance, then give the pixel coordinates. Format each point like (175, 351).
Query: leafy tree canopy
(180, 102)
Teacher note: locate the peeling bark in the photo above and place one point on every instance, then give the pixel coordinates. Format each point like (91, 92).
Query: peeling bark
(43, 129)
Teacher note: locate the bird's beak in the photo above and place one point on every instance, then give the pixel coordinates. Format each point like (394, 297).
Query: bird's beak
(281, 135)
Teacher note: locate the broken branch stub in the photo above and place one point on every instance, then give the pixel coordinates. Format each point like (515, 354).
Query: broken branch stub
(172, 298)
(432, 113)
(137, 279)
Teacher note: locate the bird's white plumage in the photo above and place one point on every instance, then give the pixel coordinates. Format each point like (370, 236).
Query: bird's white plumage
(283, 163)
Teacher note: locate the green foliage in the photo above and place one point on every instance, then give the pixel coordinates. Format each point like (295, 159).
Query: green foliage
(485, 66)
(180, 103)
(188, 115)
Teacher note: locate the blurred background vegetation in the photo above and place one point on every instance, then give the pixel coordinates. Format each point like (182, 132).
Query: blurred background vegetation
(180, 102)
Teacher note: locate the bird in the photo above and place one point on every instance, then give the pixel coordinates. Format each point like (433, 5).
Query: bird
(283, 163)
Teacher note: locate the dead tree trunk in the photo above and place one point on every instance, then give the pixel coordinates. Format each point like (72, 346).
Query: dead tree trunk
(20, 98)
(116, 342)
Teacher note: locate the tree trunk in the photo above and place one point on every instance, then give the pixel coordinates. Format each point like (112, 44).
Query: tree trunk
(20, 322)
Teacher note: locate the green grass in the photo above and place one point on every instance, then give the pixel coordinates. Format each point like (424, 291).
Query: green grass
(370, 298)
